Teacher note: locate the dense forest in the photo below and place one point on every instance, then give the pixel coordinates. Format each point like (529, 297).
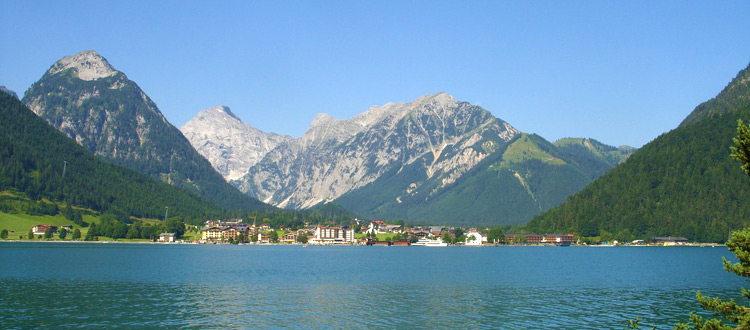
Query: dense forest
(41, 162)
(681, 184)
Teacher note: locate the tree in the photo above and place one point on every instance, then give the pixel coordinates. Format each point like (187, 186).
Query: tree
(741, 149)
(739, 244)
(447, 237)
(174, 225)
(48, 233)
(495, 235)
(302, 238)
(63, 233)
(4, 234)
(76, 234)
(30, 235)
(739, 315)
(91, 234)
(273, 236)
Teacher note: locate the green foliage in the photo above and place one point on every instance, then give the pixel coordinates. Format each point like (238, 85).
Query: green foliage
(63, 233)
(273, 236)
(48, 233)
(4, 234)
(30, 235)
(741, 148)
(174, 225)
(680, 184)
(729, 310)
(496, 235)
(495, 191)
(447, 237)
(302, 238)
(32, 156)
(76, 234)
(735, 96)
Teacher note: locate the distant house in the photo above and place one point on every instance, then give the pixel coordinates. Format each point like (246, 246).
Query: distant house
(67, 227)
(264, 238)
(474, 238)
(290, 237)
(41, 229)
(264, 227)
(167, 237)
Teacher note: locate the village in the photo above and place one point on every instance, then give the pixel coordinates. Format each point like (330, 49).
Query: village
(370, 233)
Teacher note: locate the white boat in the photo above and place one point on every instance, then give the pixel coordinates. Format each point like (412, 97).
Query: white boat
(430, 242)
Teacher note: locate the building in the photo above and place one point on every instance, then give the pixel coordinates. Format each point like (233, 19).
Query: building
(474, 238)
(264, 238)
(290, 237)
(40, 229)
(235, 231)
(333, 235)
(167, 237)
(557, 239)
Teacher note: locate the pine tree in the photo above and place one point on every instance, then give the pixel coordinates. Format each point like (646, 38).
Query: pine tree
(739, 244)
(741, 148)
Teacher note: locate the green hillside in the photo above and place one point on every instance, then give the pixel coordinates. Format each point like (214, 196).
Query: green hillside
(735, 96)
(682, 184)
(517, 181)
(34, 156)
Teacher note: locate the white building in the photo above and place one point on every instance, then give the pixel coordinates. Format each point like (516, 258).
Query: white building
(333, 235)
(474, 238)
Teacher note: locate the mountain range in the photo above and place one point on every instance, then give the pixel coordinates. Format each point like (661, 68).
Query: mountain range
(434, 159)
(101, 109)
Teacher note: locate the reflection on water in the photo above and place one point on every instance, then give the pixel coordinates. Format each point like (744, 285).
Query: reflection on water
(271, 287)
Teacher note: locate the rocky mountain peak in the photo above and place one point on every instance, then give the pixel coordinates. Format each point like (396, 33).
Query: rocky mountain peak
(221, 112)
(88, 65)
(230, 145)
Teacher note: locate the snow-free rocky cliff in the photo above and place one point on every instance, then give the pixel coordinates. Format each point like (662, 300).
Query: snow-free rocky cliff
(447, 138)
(229, 144)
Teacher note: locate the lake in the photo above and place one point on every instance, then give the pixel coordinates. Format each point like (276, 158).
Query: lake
(79, 285)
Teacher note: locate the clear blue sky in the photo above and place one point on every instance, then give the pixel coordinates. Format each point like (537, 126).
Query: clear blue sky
(622, 72)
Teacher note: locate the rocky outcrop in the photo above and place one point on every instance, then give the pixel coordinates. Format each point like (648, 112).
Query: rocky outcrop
(335, 156)
(230, 145)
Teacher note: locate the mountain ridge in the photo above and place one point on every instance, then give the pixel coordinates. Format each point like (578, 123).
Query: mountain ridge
(84, 97)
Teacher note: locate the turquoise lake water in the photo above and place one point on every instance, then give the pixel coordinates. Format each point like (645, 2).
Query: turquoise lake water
(86, 286)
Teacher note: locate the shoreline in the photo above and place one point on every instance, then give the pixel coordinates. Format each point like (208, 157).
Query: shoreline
(299, 244)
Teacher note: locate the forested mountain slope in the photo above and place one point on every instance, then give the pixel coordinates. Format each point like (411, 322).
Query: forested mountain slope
(32, 160)
(683, 183)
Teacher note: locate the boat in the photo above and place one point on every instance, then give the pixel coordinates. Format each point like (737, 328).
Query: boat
(430, 242)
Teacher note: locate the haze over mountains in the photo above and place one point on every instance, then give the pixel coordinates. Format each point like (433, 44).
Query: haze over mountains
(432, 159)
